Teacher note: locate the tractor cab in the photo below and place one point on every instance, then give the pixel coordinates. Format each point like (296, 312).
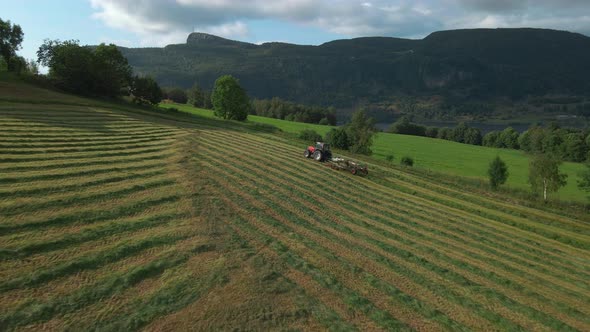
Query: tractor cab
(322, 146)
(320, 152)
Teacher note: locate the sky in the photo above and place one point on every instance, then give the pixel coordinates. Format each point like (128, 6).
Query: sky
(143, 23)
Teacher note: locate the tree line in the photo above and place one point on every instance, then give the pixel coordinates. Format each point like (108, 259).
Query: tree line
(271, 108)
(566, 144)
(286, 110)
(100, 71)
(461, 134)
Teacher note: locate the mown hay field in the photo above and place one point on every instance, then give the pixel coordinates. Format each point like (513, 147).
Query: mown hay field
(441, 156)
(125, 219)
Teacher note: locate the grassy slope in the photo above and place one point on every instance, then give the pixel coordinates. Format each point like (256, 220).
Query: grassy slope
(439, 155)
(116, 218)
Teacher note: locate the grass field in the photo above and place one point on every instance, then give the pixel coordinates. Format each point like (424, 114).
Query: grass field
(439, 155)
(117, 219)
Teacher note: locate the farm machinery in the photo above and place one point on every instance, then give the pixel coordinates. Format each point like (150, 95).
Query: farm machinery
(321, 152)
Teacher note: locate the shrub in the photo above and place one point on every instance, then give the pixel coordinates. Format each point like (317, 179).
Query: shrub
(497, 172)
(310, 135)
(389, 158)
(407, 161)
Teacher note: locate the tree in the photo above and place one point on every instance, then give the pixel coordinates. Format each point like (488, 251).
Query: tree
(145, 90)
(544, 174)
(11, 36)
(70, 65)
(575, 149)
(207, 104)
(101, 71)
(19, 65)
(195, 96)
(32, 67)
(110, 71)
(229, 99)
(310, 135)
(445, 133)
(525, 141)
(473, 136)
(431, 132)
(405, 127)
(491, 139)
(508, 138)
(338, 138)
(459, 132)
(177, 95)
(497, 172)
(584, 181)
(360, 131)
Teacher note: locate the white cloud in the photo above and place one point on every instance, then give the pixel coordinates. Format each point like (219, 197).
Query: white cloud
(160, 22)
(232, 29)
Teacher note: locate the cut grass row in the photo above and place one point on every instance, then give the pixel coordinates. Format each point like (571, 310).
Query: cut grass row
(83, 140)
(461, 239)
(385, 197)
(307, 227)
(76, 234)
(67, 144)
(280, 219)
(100, 232)
(32, 167)
(86, 217)
(46, 188)
(572, 238)
(74, 200)
(35, 312)
(105, 148)
(369, 252)
(79, 173)
(435, 154)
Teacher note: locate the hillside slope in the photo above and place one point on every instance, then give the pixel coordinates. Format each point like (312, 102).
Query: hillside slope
(463, 64)
(117, 218)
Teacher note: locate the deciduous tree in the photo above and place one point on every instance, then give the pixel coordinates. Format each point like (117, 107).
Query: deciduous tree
(11, 36)
(145, 90)
(497, 172)
(195, 96)
(229, 99)
(544, 175)
(584, 181)
(360, 131)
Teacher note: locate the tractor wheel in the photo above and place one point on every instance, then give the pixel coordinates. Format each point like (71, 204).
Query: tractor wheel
(353, 171)
(307, 154)
(318, 155)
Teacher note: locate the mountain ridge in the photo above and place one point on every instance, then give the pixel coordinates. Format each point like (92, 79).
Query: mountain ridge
(463, 64)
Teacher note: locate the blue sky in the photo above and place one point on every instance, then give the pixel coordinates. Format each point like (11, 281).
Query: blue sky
(141, 23)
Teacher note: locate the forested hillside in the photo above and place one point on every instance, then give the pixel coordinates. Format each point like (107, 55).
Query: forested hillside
(461, 65)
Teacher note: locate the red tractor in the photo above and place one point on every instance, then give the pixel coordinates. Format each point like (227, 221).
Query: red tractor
(320, 152)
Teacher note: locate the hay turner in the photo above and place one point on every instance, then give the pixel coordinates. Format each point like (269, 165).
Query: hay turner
(321, 152)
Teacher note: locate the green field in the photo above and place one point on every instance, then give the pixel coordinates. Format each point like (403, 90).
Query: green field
(439, 155)
(117, 218)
